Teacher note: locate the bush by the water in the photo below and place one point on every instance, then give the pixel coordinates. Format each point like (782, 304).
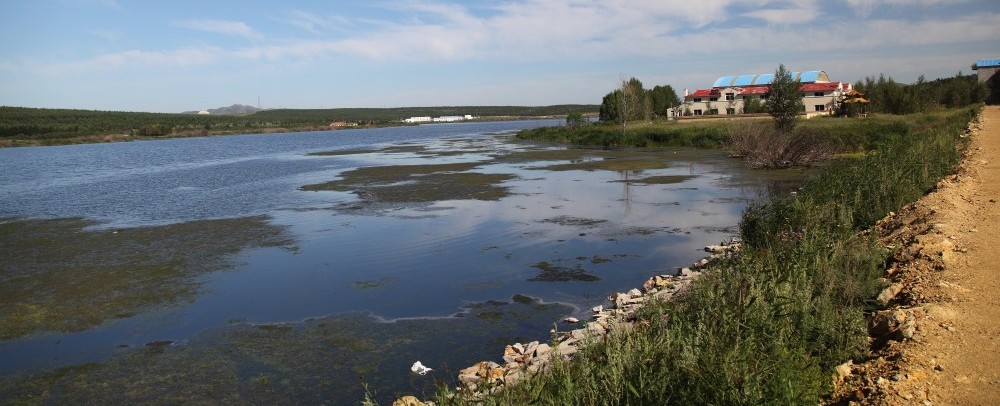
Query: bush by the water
(768, 326)
(761, 145)
(644, 134)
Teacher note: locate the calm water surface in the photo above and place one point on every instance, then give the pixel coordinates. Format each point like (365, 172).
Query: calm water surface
(448, 282)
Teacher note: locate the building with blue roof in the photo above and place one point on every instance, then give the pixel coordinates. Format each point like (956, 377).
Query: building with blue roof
(986, 68)
(729, 94)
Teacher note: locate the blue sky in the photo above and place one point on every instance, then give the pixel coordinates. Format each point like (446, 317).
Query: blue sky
(171, 56)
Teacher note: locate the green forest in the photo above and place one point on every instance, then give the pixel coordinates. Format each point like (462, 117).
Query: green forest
(22, 125)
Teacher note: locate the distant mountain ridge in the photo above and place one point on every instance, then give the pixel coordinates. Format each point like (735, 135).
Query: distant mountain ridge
(231, 110)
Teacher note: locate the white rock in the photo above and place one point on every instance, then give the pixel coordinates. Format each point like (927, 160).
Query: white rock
(572, 320)
(420, 368)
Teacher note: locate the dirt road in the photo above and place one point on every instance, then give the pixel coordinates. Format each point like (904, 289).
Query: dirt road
(947, 274)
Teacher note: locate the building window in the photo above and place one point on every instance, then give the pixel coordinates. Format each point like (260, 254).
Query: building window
(730, 96)
(697, 99)
(697, 112)
(713, 112)
(820, 107)
(713, 99)
(818, 94)
(730, 111)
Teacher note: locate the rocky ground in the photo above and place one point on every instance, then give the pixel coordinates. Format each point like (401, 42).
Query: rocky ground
(939, 340)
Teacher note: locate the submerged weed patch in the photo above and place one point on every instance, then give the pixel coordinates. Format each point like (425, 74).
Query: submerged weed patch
(553, 273)
(58, 276)
(418, 183)
(318, 361)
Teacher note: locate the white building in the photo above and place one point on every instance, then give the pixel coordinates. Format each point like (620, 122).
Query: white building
(729, 94)
(442, 119)
(448, 119)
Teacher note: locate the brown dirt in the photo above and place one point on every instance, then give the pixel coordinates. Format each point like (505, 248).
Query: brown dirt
(947, 271)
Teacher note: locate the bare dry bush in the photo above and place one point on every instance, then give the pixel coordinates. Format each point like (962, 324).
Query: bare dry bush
(762, 146)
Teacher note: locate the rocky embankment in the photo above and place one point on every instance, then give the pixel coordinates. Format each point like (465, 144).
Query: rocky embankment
(521, 361)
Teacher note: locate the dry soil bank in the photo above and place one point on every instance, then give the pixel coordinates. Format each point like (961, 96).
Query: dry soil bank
(942, 334)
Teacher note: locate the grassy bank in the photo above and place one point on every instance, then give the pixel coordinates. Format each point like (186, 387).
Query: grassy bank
(768, 326)
(851, 135)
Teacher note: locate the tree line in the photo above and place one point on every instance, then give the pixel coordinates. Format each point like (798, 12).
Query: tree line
(891, 97)
(630, 102)
(36, 123)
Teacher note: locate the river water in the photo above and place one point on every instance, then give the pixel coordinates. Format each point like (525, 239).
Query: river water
(283, 268)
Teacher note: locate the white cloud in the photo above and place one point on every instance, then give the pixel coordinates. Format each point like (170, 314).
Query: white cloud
(864, 8)
(557, 31)
(179, 58)
(315, 24)
(8, 67)
(233, 28)
(793, 12)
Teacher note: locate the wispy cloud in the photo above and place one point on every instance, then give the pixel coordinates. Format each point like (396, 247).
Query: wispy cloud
(314, 23)
(552, 31)
(790, 12)
(225, 27)
(109, 35)
(864, 8)
(179, 58)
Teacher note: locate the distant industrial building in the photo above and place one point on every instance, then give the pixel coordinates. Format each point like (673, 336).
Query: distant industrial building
(442, 119)
(729, 95)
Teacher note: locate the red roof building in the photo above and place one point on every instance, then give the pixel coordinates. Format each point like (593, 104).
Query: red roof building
(732, 95)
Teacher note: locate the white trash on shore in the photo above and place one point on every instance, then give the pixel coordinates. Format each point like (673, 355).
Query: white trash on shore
(420, 368)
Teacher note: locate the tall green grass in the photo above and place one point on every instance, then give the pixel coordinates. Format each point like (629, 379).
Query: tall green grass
(644, 134)
(769, 326)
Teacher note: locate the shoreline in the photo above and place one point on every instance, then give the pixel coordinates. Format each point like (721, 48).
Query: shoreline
(488, 378)
(111, 138)
(524, 360)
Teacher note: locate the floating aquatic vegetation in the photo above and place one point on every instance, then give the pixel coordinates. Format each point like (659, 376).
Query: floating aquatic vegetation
(418, 183)
(317, 361)
(657, 180)
(57, 275)
(553, 273)
(573, 221)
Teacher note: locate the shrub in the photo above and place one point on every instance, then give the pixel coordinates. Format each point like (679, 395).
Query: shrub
(763, 146)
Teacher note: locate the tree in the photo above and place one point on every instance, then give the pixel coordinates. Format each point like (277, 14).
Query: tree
(626, 103)
(662, 99)
(632, 103)
(784, 100)
(575, 120)
(609, 107)
(753, 105)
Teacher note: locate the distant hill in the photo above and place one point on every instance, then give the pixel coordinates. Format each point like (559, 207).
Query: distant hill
(236, 109)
